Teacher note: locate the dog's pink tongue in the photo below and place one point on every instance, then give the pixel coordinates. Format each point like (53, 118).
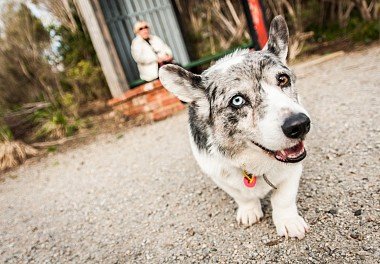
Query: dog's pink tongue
(292, 152)
(281, 155)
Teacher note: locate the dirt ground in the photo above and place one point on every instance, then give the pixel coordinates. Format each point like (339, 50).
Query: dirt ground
(139, 196)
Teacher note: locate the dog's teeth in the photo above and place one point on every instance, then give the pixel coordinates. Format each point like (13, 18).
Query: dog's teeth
(283, 152)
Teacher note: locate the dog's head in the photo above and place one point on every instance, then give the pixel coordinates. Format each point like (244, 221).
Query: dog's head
(246, 101)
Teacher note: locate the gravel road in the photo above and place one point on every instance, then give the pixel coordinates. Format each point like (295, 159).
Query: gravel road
(139, 197)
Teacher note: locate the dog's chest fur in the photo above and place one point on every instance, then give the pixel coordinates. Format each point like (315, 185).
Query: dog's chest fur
(227, 173)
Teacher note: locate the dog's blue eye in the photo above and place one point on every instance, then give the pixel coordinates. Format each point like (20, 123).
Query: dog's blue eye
(237, 101)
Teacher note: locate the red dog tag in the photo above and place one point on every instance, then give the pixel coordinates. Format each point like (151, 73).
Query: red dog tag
(249, 180)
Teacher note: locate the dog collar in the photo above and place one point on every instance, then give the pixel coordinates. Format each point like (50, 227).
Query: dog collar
(250, 180)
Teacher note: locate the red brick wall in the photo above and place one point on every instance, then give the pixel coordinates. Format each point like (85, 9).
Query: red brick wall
(150, 101)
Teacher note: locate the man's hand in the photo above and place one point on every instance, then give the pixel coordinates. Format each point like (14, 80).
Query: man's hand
(164, 58)
(160, 59)
(168, 58)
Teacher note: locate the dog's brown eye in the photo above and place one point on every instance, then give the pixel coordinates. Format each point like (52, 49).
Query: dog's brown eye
(283, 80)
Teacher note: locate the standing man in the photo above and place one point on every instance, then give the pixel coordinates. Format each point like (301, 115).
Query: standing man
(149, 52)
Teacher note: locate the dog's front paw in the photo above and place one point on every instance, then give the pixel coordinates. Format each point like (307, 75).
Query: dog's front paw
(293, 226)
(248, 215)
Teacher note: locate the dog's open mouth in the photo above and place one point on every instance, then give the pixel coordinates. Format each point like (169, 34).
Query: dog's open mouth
(290, 155)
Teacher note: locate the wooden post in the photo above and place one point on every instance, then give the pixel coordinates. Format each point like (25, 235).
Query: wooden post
(105, 50)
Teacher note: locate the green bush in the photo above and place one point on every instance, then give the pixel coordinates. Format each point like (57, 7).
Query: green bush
(87, 80)
(357, 30)
(364, 31)
(52, 123)
(82, 74)
(70, 104)
(5, 133)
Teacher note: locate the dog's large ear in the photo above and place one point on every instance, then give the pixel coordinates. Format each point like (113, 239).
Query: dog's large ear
(278, 38)
(184, 84)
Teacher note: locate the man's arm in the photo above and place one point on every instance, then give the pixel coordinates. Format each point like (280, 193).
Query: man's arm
(140, 55)
(163, 48)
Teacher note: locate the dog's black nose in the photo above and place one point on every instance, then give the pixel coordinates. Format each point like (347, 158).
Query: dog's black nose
(296, 126)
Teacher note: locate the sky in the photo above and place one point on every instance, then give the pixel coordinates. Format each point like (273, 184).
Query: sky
(42, 14)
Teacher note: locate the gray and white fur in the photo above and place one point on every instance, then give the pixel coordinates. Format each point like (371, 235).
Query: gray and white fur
(245, 114)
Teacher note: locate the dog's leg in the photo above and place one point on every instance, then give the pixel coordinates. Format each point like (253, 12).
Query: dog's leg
(285, 215)
(249, 212)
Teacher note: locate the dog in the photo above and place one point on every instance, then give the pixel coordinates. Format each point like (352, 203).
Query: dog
(247, 128)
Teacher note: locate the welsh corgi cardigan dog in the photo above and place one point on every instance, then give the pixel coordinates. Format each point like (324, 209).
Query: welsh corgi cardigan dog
(247, 128)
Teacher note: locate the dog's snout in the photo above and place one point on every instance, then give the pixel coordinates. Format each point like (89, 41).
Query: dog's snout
(296, 126)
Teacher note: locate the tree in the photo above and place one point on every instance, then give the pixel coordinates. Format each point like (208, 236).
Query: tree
(82, 73)
(332, 16)
(212, 26)
(62, 10)
(25, 74)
